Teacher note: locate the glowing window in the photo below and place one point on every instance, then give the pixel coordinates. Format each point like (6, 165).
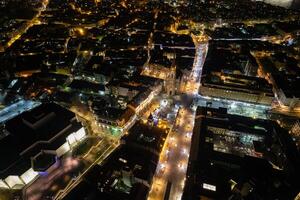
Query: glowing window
(209, 187)
(71, 139)
(3, 184)
(28, 176)
(14, 182)
(80, 134)
(63, 149)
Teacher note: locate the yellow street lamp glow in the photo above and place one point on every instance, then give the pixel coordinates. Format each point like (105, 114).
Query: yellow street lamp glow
(81, 31)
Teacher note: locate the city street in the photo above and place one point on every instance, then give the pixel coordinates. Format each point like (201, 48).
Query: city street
(34, 21)
(175, 154)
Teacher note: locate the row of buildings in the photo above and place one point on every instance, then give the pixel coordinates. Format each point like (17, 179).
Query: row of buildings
(231, 74)
(256, 72)
(128, 172)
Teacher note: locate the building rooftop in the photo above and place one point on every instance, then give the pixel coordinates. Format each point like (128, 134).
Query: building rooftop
(43, 128)
(238, 156)
(285, 73)
(146, 137)
(230, 66)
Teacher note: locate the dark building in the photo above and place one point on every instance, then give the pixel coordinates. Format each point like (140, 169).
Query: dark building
(127, 174)
(32, 142)
(235, 157)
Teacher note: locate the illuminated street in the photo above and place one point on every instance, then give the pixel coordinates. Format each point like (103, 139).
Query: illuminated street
(28, 25)
(175, 154)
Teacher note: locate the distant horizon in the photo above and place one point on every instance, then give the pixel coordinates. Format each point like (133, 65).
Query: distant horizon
(293, 4)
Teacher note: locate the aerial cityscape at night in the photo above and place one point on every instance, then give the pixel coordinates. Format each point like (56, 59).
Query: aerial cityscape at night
(150, 100)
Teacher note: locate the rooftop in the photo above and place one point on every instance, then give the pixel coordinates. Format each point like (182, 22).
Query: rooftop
(43, 128)
(238, 156)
